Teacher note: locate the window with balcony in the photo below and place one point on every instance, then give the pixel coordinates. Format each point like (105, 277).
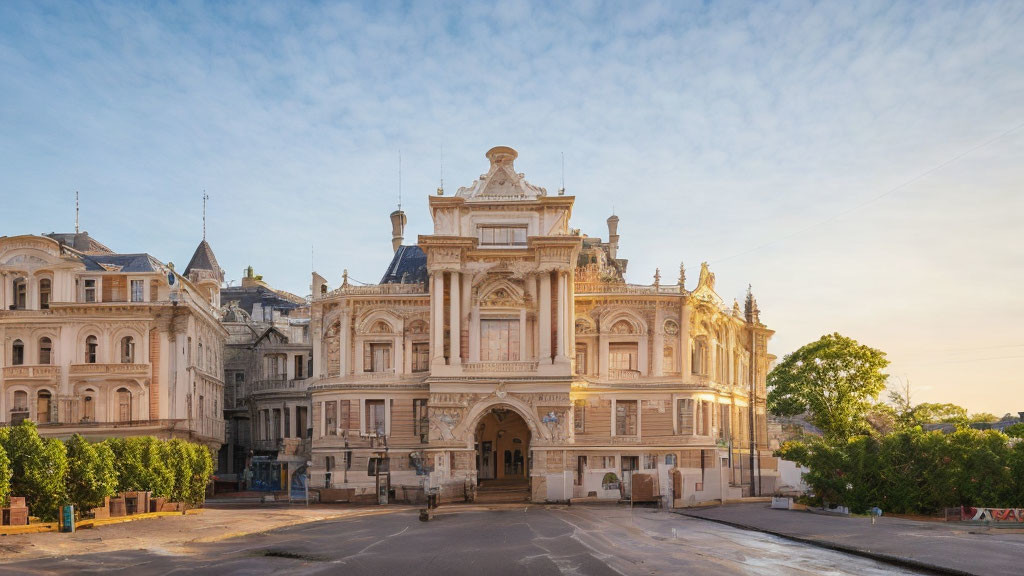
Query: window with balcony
(89, 290)
(377, 357)
(503, 236)
(137, 290)
(499, 340)
(45, 351)
(331, 418)
(420, 356)
(124, 405)
(20, 294)
(17, 353)
(625, 417)
(91, 347)
(44, 403)
(44, 294)
(420, 419)
(623, 356)
(127, 350)
(375, 417)
(19, 411)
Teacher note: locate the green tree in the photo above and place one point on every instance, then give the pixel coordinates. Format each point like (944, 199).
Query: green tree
(91, 476)
(140, 465)
(38, 467)
(834, 380)
(5, 469)
(1015, 430)
(984, 417)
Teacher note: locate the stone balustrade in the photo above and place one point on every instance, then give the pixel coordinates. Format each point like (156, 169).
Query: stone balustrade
(41, 372)
(503, 367)
(119, 369)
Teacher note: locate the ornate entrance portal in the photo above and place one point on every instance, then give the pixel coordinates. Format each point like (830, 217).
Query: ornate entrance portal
(503, 447)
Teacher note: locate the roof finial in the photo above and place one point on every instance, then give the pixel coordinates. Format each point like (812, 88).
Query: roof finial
(399, 179)
(440, 189)
(205, 198)
(76, 211)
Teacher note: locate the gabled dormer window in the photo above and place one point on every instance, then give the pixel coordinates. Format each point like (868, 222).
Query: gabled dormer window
(493, 235)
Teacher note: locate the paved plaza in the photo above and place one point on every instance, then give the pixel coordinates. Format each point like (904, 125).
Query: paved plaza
(460, 540)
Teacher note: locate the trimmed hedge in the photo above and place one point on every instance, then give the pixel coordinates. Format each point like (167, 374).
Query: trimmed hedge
(50, 473)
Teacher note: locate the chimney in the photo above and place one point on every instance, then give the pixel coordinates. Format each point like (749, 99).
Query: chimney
(397, 229)
(613, 236)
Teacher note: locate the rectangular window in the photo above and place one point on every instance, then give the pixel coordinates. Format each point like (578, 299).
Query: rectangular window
(331, 418)
(581, 359)
(684, 415)
(503, 235)
(499, 340)
(650, 461)
(579, 410)
(137, 286)
(90, 290)
(420, 419)
(622, 356)
(375, 417)
(420, 356)
(377, 357)
(625, 417)
(298, 367)
(607, 462)
(287, 423)
(343, 417)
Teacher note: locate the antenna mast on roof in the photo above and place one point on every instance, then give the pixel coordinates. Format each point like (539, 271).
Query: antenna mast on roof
(440, 189)
(399, 179)
(76, 211)
(561, 191)
(205, 198)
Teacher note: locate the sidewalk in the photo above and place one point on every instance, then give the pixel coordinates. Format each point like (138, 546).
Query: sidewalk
(945, 548)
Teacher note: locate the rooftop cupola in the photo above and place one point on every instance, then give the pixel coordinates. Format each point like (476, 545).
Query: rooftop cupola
(613, 235)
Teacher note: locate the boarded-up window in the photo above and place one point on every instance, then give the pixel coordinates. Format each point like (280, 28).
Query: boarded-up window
(420, 357)
(376, 357)
(684, 415)
(625, 417)
(375, 417)
(499, 340)
(581, 359)
(623, 356)
(420, 419)
(346, 414)
(579, 409)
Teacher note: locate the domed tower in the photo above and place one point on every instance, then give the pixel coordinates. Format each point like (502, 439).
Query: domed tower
(205, 273)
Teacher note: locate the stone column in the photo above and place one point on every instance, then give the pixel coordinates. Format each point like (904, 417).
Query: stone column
(658, 358)
(563, 312)
(522, 334)
(455, 317)
(437, 329)
(474, 334)
(544, 317)
(343, 332)
(684, 343)
(602, 356)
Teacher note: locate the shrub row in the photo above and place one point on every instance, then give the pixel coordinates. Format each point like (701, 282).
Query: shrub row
(50, 473)
(915, 472)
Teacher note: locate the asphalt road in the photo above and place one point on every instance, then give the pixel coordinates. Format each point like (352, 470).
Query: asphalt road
(480, 542)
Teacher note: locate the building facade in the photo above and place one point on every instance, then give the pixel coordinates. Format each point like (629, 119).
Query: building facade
(267, 369)
(506, 347)
(106, 345)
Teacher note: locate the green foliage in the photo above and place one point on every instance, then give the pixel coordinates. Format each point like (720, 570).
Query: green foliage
(5, 469)
(91, 476)
(984, 417)
(834, 379)
(140, 465)
(1015, 430)
(912, 471)
(38, 467)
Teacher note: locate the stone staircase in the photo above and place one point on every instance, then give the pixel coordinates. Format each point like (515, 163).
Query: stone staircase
(503, 492)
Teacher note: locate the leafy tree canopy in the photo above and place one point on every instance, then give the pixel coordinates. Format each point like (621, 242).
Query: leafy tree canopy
(834, 380)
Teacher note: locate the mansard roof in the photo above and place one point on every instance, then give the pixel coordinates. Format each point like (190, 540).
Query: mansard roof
(409, 266)
(501, 182)
(122, 263)
(80, 241)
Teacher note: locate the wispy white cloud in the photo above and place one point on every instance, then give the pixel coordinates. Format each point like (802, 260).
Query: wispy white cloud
(710, 128)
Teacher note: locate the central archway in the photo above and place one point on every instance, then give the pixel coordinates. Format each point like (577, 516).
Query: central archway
(502, 443)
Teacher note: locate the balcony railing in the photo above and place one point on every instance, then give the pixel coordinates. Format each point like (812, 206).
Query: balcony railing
(37, 371)
(503, 367)
(121, 369)
(282, 384)
(617, 288)
(616, 374)
(382, 289)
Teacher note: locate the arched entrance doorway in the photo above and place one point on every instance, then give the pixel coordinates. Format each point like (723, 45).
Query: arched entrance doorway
(502, 448)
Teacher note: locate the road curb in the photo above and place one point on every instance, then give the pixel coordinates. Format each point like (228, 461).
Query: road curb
(879, 556)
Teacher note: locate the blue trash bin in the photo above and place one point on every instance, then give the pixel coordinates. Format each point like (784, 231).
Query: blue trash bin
(67, 518)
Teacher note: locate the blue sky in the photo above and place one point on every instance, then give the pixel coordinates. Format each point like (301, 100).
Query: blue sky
(754, 136)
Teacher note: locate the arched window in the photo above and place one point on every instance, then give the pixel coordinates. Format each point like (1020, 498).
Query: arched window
(124, 405)
(19, 411)
(17, 353)
(89, 406)
(20, 294)
(127, 350)
(43, 405)
(44, 294)
(45, 351)
(699, 358)
(91, 346)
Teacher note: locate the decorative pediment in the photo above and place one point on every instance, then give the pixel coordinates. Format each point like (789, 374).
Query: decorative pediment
(501, 182)
(705, 289)
(25, 260)
(501, 292)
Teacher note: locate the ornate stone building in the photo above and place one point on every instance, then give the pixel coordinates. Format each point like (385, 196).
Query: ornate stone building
(267, 367)
(507, 348)
(107, 344)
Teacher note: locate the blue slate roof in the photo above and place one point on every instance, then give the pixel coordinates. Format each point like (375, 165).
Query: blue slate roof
(409, 266)
(126, 262)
